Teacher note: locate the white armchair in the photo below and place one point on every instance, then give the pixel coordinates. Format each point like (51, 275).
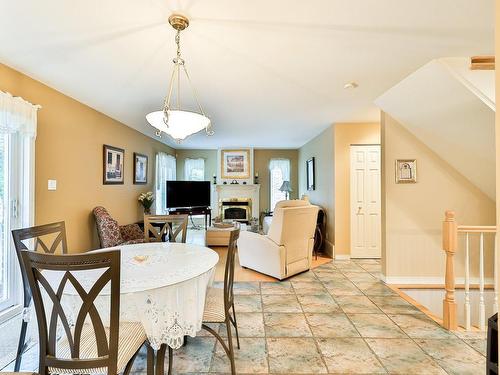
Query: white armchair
(287, 249)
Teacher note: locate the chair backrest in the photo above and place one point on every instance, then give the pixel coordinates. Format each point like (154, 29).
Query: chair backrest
(229, 270)
(293, 226)
(48, 238)
(106, 348)
(157, 227)
(108, 229)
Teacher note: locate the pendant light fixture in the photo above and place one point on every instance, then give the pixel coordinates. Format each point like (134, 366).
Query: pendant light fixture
(172, 119)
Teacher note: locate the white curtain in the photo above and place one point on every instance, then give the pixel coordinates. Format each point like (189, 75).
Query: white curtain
(18, 123)
(194, 169)
(283, 165)
(165, 171)
(279, 171)
(17, 115)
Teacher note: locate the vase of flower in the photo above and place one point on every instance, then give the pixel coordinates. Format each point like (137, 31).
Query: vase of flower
(146, 200)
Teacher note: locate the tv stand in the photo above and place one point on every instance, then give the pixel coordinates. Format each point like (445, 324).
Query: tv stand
(192, 211)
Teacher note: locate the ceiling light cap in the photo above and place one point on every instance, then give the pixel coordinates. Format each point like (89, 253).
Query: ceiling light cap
(178, 21)
(350, 85)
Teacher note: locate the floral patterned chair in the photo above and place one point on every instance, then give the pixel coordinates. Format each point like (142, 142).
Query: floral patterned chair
(111, 234)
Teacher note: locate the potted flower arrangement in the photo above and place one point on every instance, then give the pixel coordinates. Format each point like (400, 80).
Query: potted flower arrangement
(146, 199)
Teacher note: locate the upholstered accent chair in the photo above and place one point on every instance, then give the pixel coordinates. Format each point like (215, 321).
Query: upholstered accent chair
(111, 234)
(287, 249)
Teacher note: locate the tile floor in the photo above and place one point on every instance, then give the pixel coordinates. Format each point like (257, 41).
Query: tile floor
(338, 318)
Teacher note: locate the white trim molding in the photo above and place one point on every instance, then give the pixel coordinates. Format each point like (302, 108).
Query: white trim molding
(342, 257)
(428, 280)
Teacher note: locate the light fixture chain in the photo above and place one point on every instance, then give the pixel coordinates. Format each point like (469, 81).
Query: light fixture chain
(179, 23)
(178, 42)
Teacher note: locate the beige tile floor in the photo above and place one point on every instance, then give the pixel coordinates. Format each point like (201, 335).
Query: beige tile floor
(338, 318)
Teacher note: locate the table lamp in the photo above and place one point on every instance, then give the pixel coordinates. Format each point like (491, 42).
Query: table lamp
(286, 187)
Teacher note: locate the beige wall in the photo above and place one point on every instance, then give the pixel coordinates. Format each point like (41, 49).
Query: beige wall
(322, 149)
(69, 149)
(261, 160)
(413, 213)
(346, 135)
(210, 157)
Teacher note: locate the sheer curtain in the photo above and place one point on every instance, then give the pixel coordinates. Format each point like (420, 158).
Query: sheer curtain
(18, 125)
(194, 169)
(279, 171)
(165, 171)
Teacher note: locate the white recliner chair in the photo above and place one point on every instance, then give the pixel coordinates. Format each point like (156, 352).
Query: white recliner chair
(287, 249)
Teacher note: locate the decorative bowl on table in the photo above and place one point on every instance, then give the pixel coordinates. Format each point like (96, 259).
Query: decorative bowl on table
(223, 225)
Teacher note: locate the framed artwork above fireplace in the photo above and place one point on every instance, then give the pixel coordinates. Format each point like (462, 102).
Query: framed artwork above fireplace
(235, 164)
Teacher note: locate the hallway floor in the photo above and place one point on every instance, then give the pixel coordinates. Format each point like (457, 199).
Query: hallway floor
(338, 318)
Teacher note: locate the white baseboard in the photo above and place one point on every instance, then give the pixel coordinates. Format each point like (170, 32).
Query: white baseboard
(342, 257)
(426, 280)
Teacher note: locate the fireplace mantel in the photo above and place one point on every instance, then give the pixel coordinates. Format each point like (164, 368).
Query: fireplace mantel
(228, 191)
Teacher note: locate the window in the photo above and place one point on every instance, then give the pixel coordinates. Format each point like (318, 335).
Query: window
(194, 169)
(165, 171)
(279, 171)
(17, 139)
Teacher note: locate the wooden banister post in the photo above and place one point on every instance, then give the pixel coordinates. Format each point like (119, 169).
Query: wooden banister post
(450, 240)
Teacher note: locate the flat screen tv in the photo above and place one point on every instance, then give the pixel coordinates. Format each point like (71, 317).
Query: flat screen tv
(188, 194)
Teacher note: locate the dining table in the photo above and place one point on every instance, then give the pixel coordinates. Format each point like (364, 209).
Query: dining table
(163, 286)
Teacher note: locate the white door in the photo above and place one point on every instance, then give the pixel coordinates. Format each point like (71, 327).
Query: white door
(365, 201)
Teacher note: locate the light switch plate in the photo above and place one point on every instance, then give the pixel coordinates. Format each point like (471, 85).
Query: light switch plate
(52, 184)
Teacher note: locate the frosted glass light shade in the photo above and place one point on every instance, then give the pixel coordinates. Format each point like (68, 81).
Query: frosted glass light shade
(181, 124)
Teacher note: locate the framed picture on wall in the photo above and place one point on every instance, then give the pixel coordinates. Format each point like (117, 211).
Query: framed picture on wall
(113, 162)
(235, 164)
(140, 169)
(406, 171)
(310, 174)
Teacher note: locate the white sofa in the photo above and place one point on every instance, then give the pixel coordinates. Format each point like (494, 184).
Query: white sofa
(287, 249)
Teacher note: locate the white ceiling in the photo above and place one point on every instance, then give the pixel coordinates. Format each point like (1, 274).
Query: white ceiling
(269, 73)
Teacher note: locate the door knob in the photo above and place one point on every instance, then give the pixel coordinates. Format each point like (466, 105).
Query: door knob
(359, 209)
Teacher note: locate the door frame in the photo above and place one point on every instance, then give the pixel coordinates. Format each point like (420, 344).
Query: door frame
(352, 205)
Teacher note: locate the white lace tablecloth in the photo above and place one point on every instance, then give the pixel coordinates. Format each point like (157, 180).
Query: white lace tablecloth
(165, 291)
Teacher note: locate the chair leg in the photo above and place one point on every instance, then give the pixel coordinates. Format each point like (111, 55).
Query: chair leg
(21, 347)
(235, 323)
(150, 360)
(229, 352)
(160, 360)
(230, 345)
(170, 360)
(130, 363)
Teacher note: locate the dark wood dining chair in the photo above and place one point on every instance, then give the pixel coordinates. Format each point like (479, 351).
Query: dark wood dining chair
(219, 306)
(49, 238)
(159, 227)
(87, 345)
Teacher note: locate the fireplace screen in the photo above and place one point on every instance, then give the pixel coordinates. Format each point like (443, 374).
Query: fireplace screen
(238, 209)
(235, 213)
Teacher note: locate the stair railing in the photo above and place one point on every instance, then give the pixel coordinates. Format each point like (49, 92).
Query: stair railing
(451, 232)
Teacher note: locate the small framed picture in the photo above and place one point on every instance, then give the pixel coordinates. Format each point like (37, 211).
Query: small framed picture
(406, 171)
(113, 162)
(235, 164)
(310, 177)
(140, 169)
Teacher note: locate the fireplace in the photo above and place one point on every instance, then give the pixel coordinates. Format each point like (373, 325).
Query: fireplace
(235, 209)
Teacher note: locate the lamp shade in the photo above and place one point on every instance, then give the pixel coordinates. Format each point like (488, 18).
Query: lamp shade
(285, 186)
(181, 124)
